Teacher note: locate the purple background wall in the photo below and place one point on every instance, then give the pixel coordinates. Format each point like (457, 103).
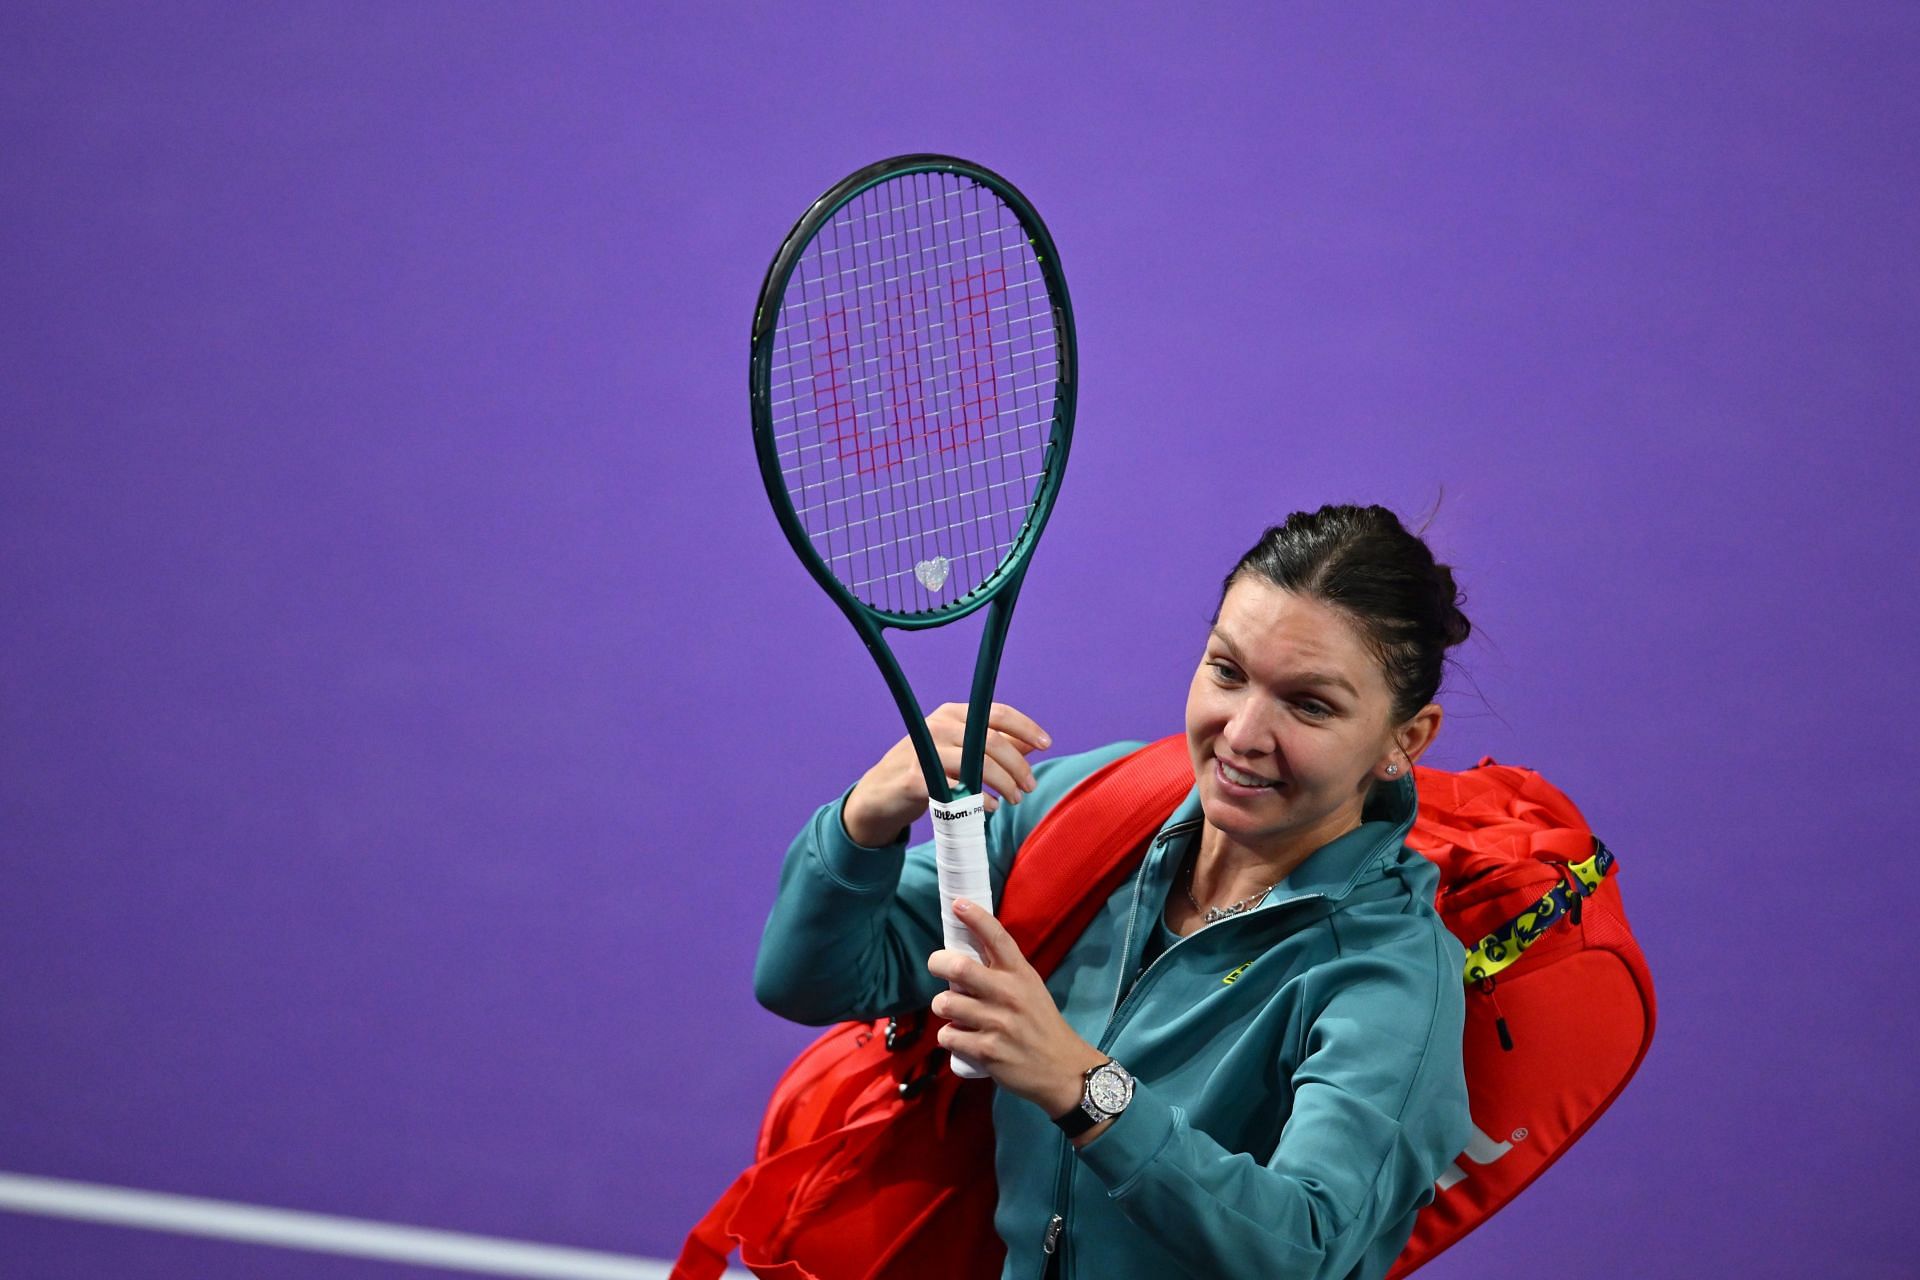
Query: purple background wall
(396, 743)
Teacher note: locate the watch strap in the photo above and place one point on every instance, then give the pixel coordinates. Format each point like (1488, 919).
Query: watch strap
(1075, 1122)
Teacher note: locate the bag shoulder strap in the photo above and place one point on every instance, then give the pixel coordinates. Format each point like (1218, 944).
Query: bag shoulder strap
(1090, 841)
(1076, 857)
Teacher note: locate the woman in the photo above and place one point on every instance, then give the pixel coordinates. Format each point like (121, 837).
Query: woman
(1249, 1064)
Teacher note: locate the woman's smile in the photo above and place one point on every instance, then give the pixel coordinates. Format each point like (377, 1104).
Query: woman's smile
(1239, 782)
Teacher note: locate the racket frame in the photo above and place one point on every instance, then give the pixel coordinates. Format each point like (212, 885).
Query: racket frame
(998, 592)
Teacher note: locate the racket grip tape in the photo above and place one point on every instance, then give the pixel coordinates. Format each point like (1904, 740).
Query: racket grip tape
(960, 855)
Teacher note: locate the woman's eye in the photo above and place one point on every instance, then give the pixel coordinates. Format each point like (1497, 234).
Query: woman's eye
(1315, 709)
(1224, 671)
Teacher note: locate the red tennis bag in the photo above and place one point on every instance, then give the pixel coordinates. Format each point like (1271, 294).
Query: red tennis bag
(876, 1163)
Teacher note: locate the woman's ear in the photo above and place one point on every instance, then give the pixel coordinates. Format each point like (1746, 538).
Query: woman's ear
(1418, 733)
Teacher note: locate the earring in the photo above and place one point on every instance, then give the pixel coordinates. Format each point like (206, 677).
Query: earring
(1392, 769)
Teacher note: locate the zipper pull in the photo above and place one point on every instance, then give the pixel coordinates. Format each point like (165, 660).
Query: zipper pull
(1485, 988)
(1575, 891)
(1052, 1241)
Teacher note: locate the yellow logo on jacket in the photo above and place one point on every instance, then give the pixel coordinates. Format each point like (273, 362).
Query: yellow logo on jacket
(1232, 977)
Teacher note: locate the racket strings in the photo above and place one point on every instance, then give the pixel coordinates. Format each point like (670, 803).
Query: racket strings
(914, 374)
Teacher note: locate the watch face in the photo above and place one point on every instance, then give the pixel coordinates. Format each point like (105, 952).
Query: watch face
(1110, 1088)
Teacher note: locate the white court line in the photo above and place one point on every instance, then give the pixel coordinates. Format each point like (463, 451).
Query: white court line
(319, 1232)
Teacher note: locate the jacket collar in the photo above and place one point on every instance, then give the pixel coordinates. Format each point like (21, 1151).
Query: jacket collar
(1333, 869)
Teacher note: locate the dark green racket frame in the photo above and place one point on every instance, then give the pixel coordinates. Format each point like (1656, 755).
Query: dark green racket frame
(1001, 588)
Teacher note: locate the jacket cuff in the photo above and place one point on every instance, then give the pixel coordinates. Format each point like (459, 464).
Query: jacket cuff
(1131, 1142)
(864, 869)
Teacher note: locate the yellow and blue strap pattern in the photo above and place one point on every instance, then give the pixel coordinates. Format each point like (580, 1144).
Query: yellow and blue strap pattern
(1506, 944)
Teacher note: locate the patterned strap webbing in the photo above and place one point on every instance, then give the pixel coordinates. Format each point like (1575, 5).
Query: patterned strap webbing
(1509, 942)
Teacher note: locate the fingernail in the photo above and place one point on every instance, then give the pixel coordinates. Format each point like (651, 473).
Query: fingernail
(1046, 739)
(961, 905)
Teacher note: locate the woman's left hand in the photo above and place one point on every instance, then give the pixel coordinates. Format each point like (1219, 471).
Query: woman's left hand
(1001, 1016)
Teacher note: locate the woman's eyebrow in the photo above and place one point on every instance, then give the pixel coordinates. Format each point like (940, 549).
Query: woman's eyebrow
(1325, 678)
(1328, 679)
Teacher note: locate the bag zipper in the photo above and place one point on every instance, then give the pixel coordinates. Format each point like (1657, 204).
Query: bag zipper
(1576, 892)
(1485, 987)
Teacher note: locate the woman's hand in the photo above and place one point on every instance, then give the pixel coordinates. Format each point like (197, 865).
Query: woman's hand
(1001, 1016)
(893, 794)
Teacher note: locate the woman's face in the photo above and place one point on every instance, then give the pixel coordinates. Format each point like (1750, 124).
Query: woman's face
(1287, 721)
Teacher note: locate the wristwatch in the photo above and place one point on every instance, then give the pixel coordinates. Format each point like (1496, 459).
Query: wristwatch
(1107, 1090)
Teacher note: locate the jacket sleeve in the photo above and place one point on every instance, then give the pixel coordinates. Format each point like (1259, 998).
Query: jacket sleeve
(1379, 1110)
(852, 926)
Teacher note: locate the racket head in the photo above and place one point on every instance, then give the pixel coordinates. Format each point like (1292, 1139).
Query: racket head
(913, 385)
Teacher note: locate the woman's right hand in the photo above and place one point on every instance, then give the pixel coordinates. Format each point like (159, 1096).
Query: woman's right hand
(893, 794)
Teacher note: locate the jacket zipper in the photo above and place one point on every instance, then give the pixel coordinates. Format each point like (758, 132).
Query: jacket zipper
(1124, 997)
(1055, 1264)
(1056, 1225)
(1051, 1267)
(1063, 1172)
(1062, 1189)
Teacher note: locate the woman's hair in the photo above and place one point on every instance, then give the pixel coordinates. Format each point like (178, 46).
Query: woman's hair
(1363, 562)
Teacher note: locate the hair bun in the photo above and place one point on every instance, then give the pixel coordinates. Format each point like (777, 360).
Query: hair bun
(1454, 626)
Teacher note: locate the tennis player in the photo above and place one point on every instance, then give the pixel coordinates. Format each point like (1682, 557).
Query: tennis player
(1249, 1065)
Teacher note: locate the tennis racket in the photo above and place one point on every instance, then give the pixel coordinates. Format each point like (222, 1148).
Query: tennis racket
(913, 396)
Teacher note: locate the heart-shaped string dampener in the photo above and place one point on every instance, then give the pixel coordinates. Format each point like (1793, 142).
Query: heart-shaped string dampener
(933, 573)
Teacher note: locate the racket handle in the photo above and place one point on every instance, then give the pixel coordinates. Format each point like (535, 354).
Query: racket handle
(960, 854)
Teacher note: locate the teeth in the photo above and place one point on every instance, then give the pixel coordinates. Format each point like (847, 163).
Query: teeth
(1244, 779)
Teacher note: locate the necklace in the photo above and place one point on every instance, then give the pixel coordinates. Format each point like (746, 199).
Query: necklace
(1214, 914)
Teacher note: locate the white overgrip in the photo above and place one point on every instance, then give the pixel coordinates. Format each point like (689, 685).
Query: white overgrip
(960, 854)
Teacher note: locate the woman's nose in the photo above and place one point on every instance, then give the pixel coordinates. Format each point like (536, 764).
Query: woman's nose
(1246, 733)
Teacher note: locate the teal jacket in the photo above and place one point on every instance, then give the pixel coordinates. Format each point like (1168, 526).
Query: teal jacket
(1298, 1074)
